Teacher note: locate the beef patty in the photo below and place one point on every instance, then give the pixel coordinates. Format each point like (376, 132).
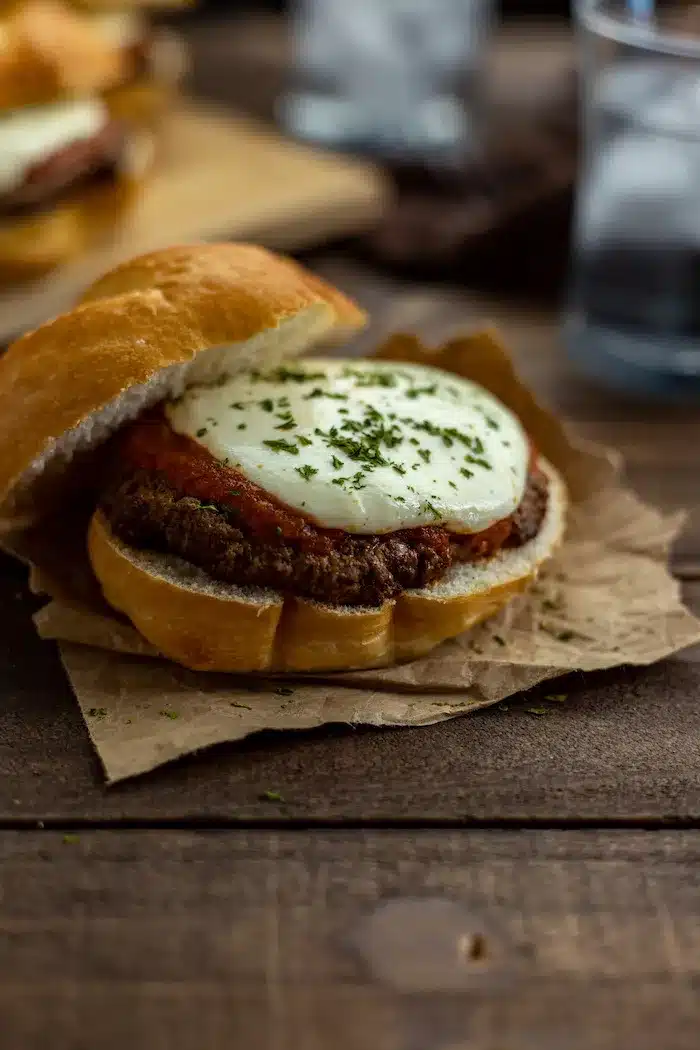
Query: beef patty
(86, 160)
(146, 511)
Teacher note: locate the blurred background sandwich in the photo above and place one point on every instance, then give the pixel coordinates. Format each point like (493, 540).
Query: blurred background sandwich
(82, 93)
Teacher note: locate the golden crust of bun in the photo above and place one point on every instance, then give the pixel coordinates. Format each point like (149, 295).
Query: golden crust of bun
(208, 627)
(162, 309)
(50, 51)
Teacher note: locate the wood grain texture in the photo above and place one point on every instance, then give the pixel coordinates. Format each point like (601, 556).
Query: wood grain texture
(624, 745)
(295, 941)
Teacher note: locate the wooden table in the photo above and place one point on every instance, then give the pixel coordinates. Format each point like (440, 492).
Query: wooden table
(497, 882)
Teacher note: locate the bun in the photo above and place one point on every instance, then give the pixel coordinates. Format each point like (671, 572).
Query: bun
(40, 241)
(209, 626)
(137, 336)
(49, 52)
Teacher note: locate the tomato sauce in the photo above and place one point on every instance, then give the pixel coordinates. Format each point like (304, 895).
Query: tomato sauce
(150, 444)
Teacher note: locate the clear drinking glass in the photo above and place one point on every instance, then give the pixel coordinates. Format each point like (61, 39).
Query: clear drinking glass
(389, 76)
(634, 310)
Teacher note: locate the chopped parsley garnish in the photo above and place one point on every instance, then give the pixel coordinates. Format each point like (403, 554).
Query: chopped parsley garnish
(201, 432)
(416, 391)
(398, 468)
(337, 463)
(466, 473)
(320, 392)
(238, 405)
(478, 461)
(281, 445)
(430, 509)
(385, 379)
(306, 471)
(267, 404)
(242, 426)
(169, 714)
(288, 421)
(285, 374)
(355, 482)
(424, 454)
(304, 441)
(271, 796)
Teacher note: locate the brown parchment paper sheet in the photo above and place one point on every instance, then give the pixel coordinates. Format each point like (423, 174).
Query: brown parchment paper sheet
(607, 598)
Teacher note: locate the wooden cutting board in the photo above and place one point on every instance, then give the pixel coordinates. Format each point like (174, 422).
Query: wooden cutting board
(219, 176)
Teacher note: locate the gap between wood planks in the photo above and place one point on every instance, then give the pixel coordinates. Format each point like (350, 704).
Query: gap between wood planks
(301, 824)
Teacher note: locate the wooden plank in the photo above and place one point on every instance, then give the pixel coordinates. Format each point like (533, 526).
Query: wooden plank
(625, 745)
(295, 941)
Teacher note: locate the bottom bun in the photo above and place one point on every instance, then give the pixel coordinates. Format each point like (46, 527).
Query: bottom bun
(210, 626)
(36, 243)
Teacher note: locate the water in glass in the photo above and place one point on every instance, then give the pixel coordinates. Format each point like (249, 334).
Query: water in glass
(388, 75)
(635, 304)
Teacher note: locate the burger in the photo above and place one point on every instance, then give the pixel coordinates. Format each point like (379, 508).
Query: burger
(68, 167)
(259, 511)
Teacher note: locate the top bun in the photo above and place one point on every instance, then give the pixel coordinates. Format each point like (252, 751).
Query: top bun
(143, 332)
(50, 51)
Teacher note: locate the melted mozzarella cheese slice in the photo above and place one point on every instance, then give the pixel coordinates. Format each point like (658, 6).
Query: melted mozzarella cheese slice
(364, 446)
(29, 136)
